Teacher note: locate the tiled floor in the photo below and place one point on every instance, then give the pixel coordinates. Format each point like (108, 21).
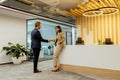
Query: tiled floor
(24, 72)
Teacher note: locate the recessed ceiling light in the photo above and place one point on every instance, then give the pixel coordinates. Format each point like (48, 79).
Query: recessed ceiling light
(1, 1)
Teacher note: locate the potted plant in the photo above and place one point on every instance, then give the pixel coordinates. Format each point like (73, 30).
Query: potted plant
(17, 51)
(99, 42)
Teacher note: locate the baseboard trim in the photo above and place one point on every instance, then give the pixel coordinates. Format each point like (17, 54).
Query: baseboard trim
(6, 63)
(92, 71)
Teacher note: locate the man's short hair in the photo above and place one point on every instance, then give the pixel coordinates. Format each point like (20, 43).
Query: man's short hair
(37, 24)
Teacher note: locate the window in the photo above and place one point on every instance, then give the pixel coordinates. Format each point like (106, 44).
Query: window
(48, 32)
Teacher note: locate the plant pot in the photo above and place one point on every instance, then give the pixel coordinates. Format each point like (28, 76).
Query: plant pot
(17, 61)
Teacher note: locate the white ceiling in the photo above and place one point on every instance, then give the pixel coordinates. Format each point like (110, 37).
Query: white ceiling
(18, 14)
(68, 4)
(64, 4)
(51, 9)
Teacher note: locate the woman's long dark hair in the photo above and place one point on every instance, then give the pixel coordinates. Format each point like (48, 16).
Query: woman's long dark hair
(60, 29)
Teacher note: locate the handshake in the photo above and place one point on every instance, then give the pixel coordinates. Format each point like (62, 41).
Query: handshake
(51, 40)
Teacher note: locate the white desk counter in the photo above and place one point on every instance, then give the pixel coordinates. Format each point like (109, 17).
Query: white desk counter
(103, 56)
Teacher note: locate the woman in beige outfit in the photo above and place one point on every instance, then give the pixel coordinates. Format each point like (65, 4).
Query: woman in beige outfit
(59, 43)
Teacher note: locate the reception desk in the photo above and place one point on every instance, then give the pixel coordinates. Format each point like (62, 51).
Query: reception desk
(103, 60)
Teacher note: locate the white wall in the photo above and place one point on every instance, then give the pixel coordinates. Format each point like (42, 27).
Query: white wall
(12, 29)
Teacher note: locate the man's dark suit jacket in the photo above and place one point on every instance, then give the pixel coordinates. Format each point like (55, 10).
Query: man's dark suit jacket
(36, 39)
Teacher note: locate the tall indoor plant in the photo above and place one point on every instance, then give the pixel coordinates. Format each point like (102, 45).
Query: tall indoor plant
(16, 51)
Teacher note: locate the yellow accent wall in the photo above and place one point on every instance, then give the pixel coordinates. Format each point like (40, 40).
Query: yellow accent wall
(99, 27)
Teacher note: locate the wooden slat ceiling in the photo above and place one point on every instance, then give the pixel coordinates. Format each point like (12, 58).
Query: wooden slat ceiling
(92, 5)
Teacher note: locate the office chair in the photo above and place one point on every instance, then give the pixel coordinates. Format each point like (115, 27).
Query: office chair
(108, 41)
(79, 41)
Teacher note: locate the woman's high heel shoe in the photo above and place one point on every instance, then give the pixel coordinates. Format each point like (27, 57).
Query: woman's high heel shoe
(56, 69)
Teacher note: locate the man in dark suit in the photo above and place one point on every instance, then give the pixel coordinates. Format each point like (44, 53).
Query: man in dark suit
(36, 44)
